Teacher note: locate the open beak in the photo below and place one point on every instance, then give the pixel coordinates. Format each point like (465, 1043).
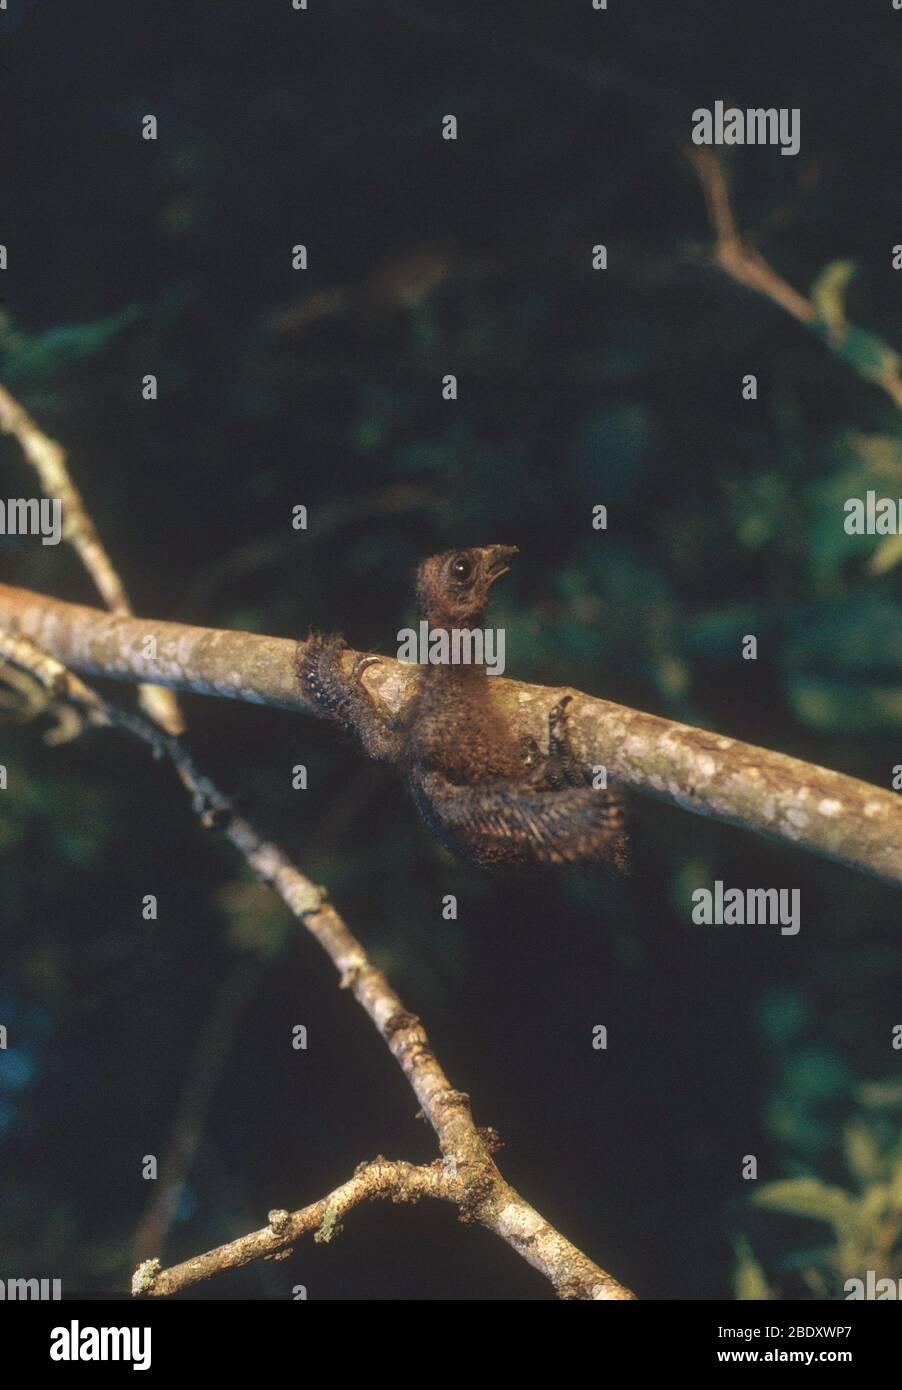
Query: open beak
(499, 555)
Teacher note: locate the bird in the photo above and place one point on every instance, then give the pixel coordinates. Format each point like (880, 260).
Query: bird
(490, 795)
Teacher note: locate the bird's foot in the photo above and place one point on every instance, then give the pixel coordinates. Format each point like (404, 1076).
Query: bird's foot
(558, 743)
(362, 665)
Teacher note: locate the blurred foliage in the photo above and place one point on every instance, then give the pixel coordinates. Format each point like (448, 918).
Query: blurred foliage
(575, 388)
(863, 1224)
(864, 352)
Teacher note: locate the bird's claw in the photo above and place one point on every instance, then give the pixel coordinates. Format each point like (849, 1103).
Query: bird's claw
(363, 663)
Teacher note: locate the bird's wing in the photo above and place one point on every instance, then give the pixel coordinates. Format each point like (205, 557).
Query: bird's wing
(507, 822)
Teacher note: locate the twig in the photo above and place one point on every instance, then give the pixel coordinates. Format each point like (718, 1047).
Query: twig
(273, 547)
(49, 461)
(864, 352)
(770, 793)
(192, 1107)
(469, 1175)
(378, 1180)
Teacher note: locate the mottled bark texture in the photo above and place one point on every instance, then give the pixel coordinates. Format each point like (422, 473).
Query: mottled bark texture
(775, 795)
(48, 459)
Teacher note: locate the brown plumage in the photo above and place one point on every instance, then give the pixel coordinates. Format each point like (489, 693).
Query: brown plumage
(488, 795)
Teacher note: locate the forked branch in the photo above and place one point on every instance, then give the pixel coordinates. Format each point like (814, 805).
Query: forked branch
(466, 1174)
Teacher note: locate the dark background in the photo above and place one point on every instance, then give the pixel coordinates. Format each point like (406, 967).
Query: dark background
(576, 388)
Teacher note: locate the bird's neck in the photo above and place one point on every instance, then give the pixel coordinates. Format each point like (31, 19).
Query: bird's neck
(455, 675)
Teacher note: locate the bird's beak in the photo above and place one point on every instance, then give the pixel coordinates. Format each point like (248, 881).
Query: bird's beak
(498, 557)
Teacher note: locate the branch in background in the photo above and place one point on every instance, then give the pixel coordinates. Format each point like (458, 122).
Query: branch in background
(468, 1175)
(770, 793)
(868, 355)
(193, 1105)
(261, 552)
(49, 462)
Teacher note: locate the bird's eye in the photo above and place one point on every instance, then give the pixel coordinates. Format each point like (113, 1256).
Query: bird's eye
(461, 568)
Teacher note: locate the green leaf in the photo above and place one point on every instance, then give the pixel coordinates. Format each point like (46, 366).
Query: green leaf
(895, 1188)
(860, 462)
(874, 1205)
(812, 1198)
(749, 1283)
(40, 358)
(864, 352)
(832, 705)
(828, 295)
(863, 1153)
(886, 556)
(867, 354)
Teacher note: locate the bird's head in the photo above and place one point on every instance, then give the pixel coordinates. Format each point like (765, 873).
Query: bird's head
(453, 588)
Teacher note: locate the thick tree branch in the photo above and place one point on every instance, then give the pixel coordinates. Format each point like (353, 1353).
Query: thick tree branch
(468, 1174)
(770, 793)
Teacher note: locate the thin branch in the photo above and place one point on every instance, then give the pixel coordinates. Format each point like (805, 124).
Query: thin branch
(276, 546)
(733, 254)
(470, 1176)
(49, 462)
(869, 356)
(379, 1180)
(770, 793)
(193, 1104)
